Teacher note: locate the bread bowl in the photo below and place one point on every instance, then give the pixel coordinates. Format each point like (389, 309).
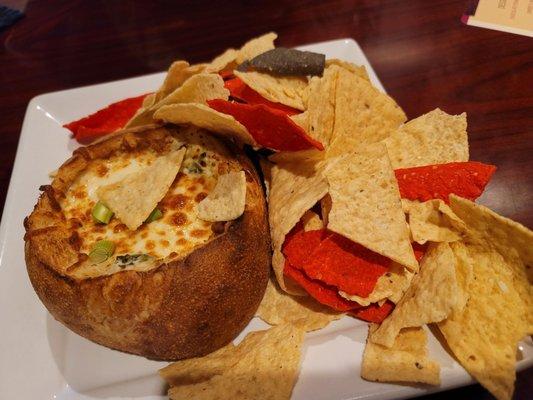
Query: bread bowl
(194, 284)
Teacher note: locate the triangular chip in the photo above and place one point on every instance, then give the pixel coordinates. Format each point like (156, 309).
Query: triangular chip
(256, 46)
(295, 187)
(205, 117)
(321, 105)
(432, 296)
(279, 308)
(510, 239)
(227, 200)
(199, 369)
(178, 73)
(288, 90)
(197, 89)
(133, 198)
(432, 221)
(433, 138)
(484, 335)
(223, 61)
(366, 206)
(392, 285)
(363, 114)
(501, 232)
(358, 70)
(268, 370)
(405, 361)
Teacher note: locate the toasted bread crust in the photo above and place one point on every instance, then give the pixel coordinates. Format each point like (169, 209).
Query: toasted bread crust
(185, 308)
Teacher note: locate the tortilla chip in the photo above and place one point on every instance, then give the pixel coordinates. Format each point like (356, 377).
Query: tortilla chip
(288, 90)
(295, 187)
(432, 221)
(432, 296)
(302, 120)
(484, 335)
(199, 369)
(321, 105)
(510, 239)
(256, 46)
(366, 206)
(363, 114)
(358, 70)
(205, 117)
(392, 285)
(311, 221)
(502, 233)
(133, 198)
(227, 200)
(279, 308)
(197, 89)
(223, 61)
(149, 100)
(178, 73)
(406, 361)
(433, 138)
(268, 370)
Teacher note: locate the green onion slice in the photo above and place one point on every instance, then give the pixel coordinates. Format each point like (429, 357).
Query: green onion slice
(101, 251)
(101, 213)
(156, 214)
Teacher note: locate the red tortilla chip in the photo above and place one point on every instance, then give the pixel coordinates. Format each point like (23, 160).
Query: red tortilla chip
(465, 179)
(348, 266)
(106, 120)
(299, 245)
(239, 90)
(374, 312)
(319, 291)
(269, 127)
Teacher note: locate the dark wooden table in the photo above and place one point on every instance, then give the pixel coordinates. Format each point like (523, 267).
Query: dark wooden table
(421, 51)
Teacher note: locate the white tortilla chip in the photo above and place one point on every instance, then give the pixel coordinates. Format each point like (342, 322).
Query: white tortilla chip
(405, 361)
(432, 296)
(221, 62)
(205, 117)
(363, 114)
(484, 335)
(256, 46)
(227, 200)
(279, 308)
(178, 73)
(432, 221)
(321, 105)
(295, 187)
(392, 285)
(133, 198)
(267, 370)
(433, 138)
(288, 90)
(366, 206)
(198, 88)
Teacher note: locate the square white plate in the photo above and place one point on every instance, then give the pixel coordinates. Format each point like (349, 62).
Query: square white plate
(41, 359)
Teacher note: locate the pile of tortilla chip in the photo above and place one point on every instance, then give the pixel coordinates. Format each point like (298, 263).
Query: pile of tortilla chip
(371, 216)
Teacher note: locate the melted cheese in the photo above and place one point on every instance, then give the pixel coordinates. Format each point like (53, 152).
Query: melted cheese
(176, 234)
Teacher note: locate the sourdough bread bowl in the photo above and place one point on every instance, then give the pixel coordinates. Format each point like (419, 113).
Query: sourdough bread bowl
(174, 288)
